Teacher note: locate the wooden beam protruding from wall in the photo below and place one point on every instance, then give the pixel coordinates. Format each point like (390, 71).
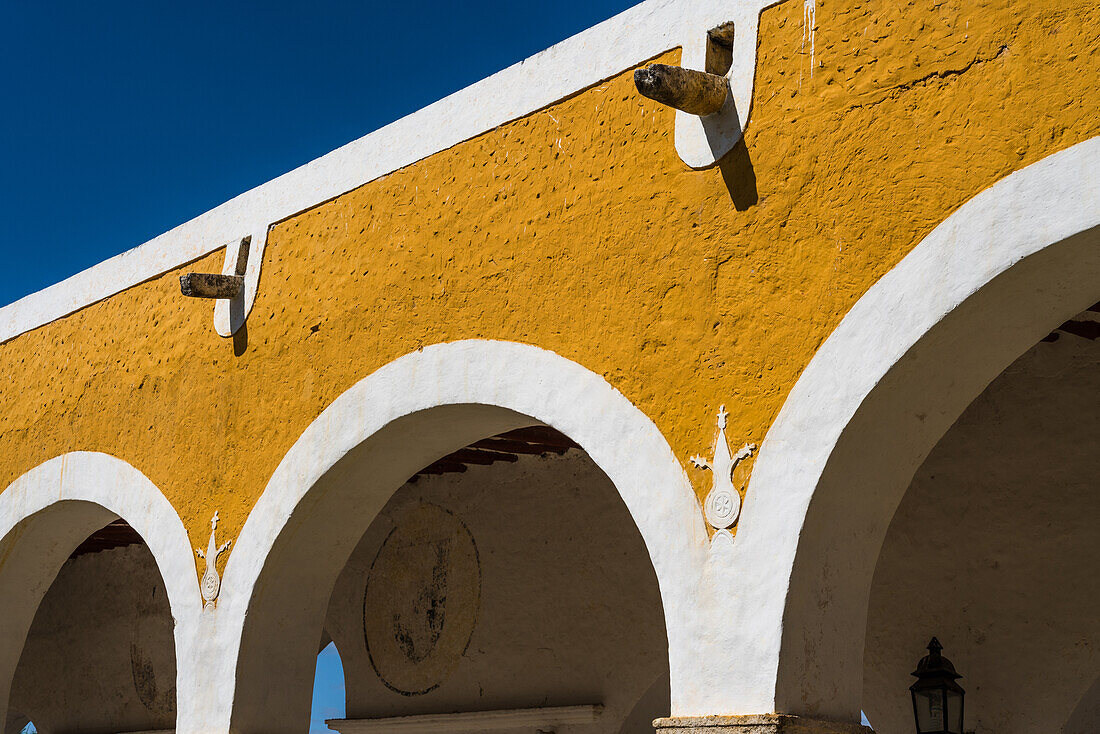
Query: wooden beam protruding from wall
(218, 285)
(211, 285)
(694, 92)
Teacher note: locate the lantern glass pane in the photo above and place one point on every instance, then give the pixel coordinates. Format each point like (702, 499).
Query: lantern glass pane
(930, 710)
(954, 712)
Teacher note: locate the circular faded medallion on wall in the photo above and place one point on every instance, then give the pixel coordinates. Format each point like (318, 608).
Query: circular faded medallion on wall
(421, 600)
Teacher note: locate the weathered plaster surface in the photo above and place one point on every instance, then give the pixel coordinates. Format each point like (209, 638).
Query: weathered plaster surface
(100, 656)
(993, 550)
(578, 229)
(569, 610)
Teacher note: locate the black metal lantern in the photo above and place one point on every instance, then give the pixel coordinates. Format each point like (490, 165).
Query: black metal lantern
(937, 698)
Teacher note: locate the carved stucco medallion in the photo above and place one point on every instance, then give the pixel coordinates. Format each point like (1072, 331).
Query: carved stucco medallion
(421, 600)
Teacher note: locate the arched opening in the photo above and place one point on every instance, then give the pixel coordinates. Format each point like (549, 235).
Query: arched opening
(994, 549)
(99, 655)
(544, 563)
(982, 289)
(504, 578)
(329, 691)
(97, 586)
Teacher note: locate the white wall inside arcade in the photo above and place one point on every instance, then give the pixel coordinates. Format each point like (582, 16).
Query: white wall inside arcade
(568, 612)
(994, 549)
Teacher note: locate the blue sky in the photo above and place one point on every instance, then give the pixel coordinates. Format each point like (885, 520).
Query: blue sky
(123, 119)
(328, 690)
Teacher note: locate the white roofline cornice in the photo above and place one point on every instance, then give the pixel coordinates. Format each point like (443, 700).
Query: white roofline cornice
(587, 58)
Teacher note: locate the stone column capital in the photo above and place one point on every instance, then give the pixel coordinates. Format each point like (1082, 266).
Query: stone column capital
(754, 724)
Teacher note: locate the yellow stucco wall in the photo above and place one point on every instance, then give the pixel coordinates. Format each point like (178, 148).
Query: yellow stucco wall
(579, 230)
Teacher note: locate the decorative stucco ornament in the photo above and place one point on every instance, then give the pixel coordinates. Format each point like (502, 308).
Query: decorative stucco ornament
(723, 503)
(211, 583)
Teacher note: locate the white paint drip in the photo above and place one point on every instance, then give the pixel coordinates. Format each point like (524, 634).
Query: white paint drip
(809, 21)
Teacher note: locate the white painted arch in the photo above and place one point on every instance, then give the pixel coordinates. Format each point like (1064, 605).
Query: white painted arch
(47, 512)
(364, 446)
(999, 274)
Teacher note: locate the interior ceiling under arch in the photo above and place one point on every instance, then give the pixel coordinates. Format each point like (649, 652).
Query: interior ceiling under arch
(116, 534)
(1085, 325)
(507, 446)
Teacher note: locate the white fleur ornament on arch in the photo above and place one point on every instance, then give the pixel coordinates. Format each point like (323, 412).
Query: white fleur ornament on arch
(211, 582)
(723, 502)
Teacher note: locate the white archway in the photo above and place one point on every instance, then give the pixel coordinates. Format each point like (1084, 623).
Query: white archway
(397, 420)
(895, 374)
(48, 511)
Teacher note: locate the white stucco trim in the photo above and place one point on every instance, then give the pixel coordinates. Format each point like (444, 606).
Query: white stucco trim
(1024, 214)
(116, 486)
(618, 437)
(537, 719)
(702, 141)
(598, 53)
(105, 486)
